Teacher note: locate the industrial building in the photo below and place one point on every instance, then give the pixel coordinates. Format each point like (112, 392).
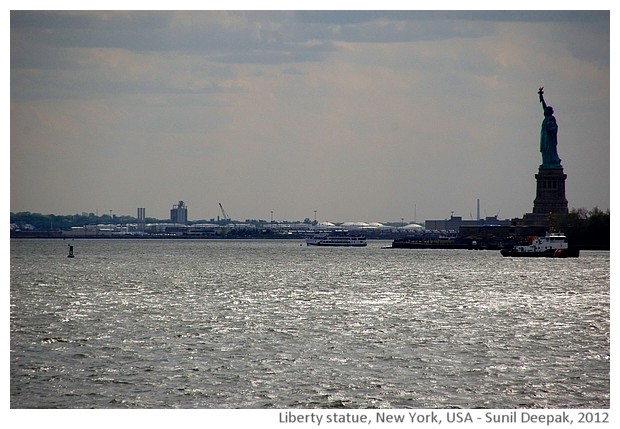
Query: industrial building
(178, 213)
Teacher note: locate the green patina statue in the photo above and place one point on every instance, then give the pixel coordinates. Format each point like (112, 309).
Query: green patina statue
(548, 137)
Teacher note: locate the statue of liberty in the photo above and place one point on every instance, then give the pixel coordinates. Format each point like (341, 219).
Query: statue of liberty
(548, 136)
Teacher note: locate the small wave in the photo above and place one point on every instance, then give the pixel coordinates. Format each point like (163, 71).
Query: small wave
(50, 340)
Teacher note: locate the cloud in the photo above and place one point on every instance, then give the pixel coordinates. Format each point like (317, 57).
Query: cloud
(361, 114)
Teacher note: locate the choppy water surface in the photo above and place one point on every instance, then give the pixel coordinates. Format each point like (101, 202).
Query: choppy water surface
(273, 324)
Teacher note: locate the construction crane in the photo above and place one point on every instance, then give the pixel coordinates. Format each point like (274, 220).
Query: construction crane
(224, 214)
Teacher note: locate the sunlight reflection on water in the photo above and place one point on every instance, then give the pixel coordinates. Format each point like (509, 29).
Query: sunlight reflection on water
(271, 324)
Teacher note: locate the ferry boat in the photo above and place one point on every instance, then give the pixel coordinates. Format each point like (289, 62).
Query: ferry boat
(337, 238)
(552, 245)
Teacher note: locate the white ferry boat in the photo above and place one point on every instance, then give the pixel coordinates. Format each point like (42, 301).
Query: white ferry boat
(337, 238)
(552, 245)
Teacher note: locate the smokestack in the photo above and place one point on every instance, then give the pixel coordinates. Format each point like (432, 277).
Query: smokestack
(478, 210)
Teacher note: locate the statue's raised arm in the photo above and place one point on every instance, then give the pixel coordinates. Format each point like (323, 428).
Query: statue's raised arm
(541, 98)
(548, 136)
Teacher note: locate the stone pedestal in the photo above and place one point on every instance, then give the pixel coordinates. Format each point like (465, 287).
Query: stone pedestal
(550, 192)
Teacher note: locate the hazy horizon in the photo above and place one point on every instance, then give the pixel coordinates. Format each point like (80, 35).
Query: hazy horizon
(359, 115)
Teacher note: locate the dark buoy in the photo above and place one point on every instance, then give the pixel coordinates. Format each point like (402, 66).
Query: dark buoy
(70, 255)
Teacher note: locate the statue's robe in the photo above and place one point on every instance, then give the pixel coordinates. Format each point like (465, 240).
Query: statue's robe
(549, 143)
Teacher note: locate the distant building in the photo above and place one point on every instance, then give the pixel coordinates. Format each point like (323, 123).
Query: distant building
(178, 213)
(141, 218)
(456, 222)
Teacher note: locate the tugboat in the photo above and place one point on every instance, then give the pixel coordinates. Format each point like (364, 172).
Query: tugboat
(552, 245)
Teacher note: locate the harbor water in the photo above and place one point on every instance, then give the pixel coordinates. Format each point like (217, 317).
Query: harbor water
(277, 324)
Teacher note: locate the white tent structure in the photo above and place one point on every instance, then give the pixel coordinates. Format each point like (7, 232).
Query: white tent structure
(354, 225)
(362, 225)
(412, 227)
(376, 225)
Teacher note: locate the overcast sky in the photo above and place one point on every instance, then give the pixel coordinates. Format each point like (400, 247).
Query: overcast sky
(361, 116)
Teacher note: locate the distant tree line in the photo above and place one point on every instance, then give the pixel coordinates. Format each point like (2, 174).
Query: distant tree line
(588, 229)
(52, 222)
